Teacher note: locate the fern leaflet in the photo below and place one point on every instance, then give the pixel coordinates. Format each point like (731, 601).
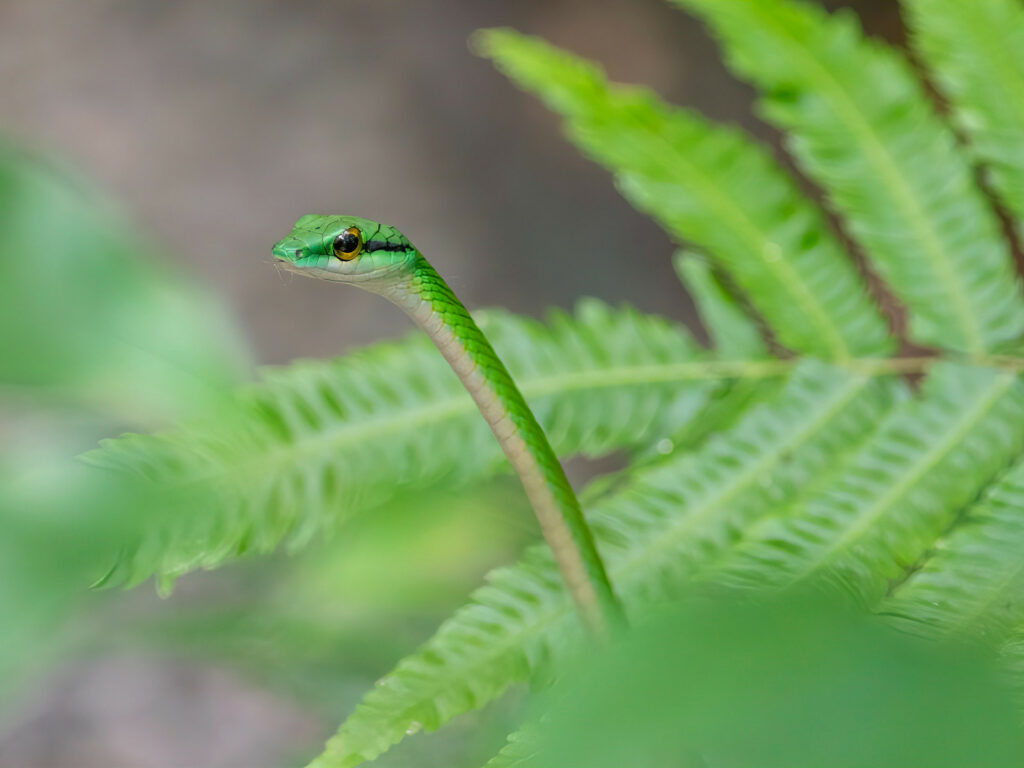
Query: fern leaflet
(973, 583)
(899, 491)
(733, 335)
(976, 50)
(653, 531)
(318, 440)
(862, 128)
(713, 187)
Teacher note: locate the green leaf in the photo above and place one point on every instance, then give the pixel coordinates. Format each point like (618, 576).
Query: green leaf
(681, 519)
(1012, 658)
(87, 317)
(860, 125)
(522, 747)
(655, 530)
(93, 332)
(897, 493)
(61, 523)
(976, 51)
(733, 335)
(319, 440)
(713, 187)
(972, 586)
(774, 684)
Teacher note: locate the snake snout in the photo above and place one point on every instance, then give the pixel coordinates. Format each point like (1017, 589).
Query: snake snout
(289, 249)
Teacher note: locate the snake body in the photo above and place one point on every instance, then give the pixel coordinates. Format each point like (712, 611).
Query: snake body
(380, 259)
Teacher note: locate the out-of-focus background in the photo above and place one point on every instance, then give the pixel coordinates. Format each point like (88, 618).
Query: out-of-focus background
(215, 125)
(212, 127)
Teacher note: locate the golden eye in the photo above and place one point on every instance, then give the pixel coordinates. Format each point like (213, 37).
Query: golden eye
(348, 244)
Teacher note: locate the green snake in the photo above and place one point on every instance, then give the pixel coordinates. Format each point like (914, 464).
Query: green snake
(378, 258)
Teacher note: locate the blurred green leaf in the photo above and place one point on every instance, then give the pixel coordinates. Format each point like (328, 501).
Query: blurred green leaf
(61, 525)
(93, 335)
(87, 316)
(782, 684)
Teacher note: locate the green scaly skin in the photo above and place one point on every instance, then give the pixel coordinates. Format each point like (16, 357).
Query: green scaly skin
(389, 265)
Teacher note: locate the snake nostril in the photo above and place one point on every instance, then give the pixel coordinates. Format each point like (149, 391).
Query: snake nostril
(300, 252)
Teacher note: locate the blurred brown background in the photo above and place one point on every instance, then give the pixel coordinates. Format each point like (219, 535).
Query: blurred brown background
(214, 125)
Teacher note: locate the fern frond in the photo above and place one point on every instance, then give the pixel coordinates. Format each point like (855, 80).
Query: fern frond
(317, 441)
(713, 187)
(734, 336)
(973, 584)
(696, 511)
(898, 492)
(652, 532)
(723, 408)
(863, 129)
(976, 51)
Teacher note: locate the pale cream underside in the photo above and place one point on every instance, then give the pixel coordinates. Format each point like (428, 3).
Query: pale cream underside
(555, 531)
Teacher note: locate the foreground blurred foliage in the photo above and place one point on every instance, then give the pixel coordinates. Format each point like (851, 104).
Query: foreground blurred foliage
(94, 336)
(88, 316)
(797, 455)
(784, 683)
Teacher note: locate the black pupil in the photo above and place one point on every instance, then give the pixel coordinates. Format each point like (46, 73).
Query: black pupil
(346, 242)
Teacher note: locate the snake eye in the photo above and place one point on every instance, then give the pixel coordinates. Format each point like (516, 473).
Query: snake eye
(348, 244)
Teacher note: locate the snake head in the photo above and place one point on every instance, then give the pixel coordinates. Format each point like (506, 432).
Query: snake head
(345, 249)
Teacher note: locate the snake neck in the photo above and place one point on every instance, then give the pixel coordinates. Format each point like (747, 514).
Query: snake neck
(432, 305)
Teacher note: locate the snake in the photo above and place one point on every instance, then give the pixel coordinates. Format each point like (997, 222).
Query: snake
(380, 259)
